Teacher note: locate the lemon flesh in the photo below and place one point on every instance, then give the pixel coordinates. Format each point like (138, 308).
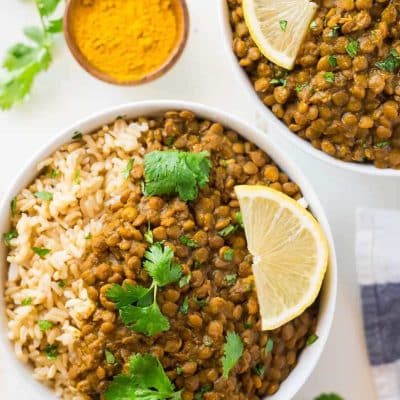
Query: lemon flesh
(278, 27)
(290, 253)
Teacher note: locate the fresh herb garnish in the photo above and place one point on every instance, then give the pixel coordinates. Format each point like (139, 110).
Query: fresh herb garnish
(228, 230)
(126, 173)
(391, 63)
(185, 280)
(41, 251)
(382, 145)
(13, 206)
(329, 77)
(278, 81)
(259, 369)
(176, 172)
(228, 255)
(332, 60)
(77, 135)
(300, 87)
(145, 379)
(231, 279)
(352, 48)
(313, 25)
(283, 24)
(233, 350)
(187, 241)
(45, 325)
(179, 370)
(137, 305)
(88, 236)
(77, 177)
(328, 396)
(8, 236)
(269, 346)
(170, 141)
(27, 301)
(334, 32)
(204, 389)
(55, 173)
(207, 341)
(148, 236)
(312, 339)
(109, 356)
(247, 325)
(184, 308)
(23, 62)
(200, 302)
(61, 284)
(239, 219)
(51, 351)
(47, 196)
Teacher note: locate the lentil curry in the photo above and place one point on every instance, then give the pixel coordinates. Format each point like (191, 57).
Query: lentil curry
(343, 94)
(188, 259)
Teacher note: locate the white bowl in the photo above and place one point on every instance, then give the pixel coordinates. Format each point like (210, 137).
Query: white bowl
(275, 123)
(309, 356)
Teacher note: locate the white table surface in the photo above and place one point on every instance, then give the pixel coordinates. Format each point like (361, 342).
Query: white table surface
(66, 93)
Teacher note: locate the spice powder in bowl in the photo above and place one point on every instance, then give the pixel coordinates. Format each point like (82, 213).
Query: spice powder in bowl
(126, 42)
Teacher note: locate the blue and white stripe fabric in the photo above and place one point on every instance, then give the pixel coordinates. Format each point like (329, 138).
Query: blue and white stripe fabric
(378, 266)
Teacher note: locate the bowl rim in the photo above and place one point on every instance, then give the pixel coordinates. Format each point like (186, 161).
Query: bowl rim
(309, 356)
(161, 70)
(277, 125)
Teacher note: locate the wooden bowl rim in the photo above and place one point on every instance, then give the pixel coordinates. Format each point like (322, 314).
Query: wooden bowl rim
(161, 70)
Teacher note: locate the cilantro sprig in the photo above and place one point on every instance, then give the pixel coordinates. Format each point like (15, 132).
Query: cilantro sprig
(174, 172)
(145, 379)
(233, 350)
(23, 62)
(391, 63)
(137, 305)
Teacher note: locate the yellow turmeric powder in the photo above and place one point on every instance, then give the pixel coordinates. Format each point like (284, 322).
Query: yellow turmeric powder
(124, 39)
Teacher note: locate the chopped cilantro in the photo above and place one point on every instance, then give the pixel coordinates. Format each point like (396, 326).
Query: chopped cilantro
(169, 141)
(313, 25)
(391, 63)
(233, 350)
(77, 135)
(382, 145)
(77, 177)
(55, 173)
(329, 77)
(278, 81)
(145, 379)
(352, 47)
(312, 339)
(184, 308)
(204, 389)
(13, 206)
(334, 32)
(8, 236)
(51, 351)
(228, 230)
(231, 279)
(269, 346)
(109, 356)
(200, 302)
(185, 280)
(88, 236)
(332, 60)
(61, 284)
(239, 219)
(300, 87)
(283, 24)
(45, 325)
(27, 301)
(187, 241)
(207, 341)
(41, 251)
(179, 370)
(259, 369)
(228, 255)
(176, 172)
(128, 169)
(247, 325)
(47, 196)
(148, 236)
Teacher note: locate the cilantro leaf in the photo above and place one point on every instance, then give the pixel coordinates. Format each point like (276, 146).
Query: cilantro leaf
(185, 280)
(146, 380)
(55, 26)
(126, 295)
(283, 24)
(128, 169)
(269, 346)
(352, 47)
(35, 34)
(330, 396)
(187, 241)
(391, 63)
(233, 350)
(148, 320)
(7, 237)
(40, 251)
(174, 172)
(51, 351)
(239, 219)
(13, 206)
(45, 325)
(149, 236)
(300, 87)
(160, 265)
(312, 339)
(228, 255)
(329, 77)
(332, 60)
(47, 196)
(109, 357)
(228, 230)
(184, 308)
(278, 81)
(47, 7)
(27, 301)
(204, 389)
(231, 279)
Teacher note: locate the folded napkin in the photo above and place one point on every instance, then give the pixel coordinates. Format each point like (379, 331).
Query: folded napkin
(378, 266)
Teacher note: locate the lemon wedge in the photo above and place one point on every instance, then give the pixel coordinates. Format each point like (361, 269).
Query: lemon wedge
(278, 27)
(290, 253)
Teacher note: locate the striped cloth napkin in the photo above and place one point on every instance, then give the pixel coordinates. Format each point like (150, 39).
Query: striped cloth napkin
(378, 265)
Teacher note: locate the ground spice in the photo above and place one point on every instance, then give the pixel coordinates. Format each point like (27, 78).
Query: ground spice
(125, 39)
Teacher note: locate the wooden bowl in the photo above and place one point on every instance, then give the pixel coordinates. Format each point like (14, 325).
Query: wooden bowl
(183, 22)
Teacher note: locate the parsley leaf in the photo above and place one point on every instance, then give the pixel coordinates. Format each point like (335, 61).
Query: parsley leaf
(233, 350)
(7, 237)
(391, 63)
(187, 241)
(51, 351)
(40, 251)
(352, 47)
(145, 380)
(330, 396)
(128, 169)
(45, 325)
(283, 24)
(173, 172)
(160, 265)
(47, 196)
(312, 339)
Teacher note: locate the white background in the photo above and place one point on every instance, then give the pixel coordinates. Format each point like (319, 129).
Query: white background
(66, 93)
